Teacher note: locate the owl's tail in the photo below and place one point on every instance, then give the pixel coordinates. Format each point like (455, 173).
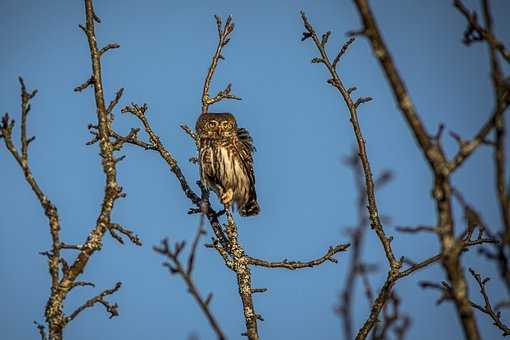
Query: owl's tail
(250, 208)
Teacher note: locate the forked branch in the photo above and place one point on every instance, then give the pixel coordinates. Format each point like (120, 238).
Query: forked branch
(111, 308)
(487, 307)
(224, 32)
(176, 267)
(483, 34)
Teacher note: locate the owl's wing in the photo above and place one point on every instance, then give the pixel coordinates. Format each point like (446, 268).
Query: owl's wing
(245, 138)
(245, 148)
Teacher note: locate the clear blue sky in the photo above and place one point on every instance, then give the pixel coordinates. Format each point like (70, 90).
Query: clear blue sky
(300, 128)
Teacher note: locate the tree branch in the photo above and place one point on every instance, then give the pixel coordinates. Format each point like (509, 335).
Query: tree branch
(56, 318)
(486, 34)
(223, 39)
(357, 267)
(110, 308)
(487, 308)
(177, 268)
(41, 330)
(243, 274)
(292, 265)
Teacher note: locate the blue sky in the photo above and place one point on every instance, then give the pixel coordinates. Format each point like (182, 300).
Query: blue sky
(301, 130)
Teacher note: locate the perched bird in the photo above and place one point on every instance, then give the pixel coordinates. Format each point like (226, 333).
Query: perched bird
(226, 161)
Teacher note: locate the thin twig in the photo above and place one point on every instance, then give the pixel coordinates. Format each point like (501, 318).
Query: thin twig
(292, 265)
(357, 268)
(223, 39)
(110, 308)
(177, 268)
(41, 330)
(487, 308)
(486, 34)
(55, 318)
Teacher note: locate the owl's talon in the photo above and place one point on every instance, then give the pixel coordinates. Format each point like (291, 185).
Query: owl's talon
(227, 196)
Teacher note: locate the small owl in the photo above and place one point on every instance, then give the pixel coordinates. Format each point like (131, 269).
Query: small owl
(226, 161)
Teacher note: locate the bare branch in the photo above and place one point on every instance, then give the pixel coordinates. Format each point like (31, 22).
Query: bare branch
(49, 208)
(325, 38)
(243, 274)
(474, 219)
(223, 39)
(176, 268)
(417, 266)
(82, 284)
(292, 265)
(131, 138)
(41, 330)
(107, 48)
(362, 100)
(344, 49)
(468, 147)
(357, 268)
(190, 132)
(191, 258)
(418, 229)
(259, 290)
(372, 205)
(86, 84)
(474, 26)
(115, 101)
(225, 94)
(487, 308)
(128, 233)
(110, 308)
(121, 140)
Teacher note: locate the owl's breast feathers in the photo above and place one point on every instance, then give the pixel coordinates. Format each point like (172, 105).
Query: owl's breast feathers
(228, 164)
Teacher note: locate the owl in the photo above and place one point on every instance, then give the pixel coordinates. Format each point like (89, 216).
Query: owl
(226, 161)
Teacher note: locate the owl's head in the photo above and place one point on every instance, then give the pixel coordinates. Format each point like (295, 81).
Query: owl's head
(216, 125)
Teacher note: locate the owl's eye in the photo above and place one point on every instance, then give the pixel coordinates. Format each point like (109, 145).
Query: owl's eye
(226, 125)
(212, 124)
